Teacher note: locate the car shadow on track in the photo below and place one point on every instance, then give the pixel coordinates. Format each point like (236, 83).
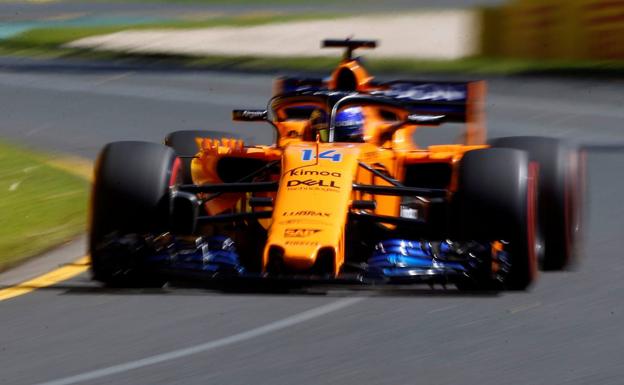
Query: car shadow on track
(90, 288)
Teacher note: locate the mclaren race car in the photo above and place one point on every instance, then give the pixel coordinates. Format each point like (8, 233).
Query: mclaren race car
(343, 193)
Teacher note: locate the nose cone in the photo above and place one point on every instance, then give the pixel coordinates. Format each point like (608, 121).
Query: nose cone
(311, 206)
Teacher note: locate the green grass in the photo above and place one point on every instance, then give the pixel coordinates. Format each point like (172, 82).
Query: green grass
(221, 2)
(41, 205)
(476, 66)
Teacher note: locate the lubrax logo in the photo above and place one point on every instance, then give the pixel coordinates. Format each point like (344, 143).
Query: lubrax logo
(312, 182)
(299, 172)
(300, 233)
(306, 214)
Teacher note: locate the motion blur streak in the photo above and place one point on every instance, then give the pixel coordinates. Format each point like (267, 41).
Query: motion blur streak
(61, 274)
(253, 333)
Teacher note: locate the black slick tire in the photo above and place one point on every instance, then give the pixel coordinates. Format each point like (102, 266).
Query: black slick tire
(560, 195)
(130, 196)
(495, 202)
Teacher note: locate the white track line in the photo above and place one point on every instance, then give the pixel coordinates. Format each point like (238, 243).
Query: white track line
(233, 339)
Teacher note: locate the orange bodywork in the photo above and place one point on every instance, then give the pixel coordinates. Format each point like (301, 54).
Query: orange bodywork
(315, 178)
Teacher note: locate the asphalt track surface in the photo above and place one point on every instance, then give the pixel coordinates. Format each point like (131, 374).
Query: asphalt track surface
(566, 330)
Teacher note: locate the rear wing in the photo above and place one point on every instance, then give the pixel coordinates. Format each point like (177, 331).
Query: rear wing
(447, 98)
(460, 102)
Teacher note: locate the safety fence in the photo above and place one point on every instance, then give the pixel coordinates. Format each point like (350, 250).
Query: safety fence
(555, 29)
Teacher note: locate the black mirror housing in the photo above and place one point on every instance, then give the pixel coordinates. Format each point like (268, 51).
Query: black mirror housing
(249, 115)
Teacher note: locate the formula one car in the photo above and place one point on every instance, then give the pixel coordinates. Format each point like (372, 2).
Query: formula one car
(344, 193)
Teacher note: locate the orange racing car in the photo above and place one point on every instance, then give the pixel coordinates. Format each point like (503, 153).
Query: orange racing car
(344, 193)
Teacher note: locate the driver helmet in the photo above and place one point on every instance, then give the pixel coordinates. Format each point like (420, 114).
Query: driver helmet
(349, 125)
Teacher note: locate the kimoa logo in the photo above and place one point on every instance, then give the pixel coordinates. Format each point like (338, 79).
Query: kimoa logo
(299, 172)
(311, 182)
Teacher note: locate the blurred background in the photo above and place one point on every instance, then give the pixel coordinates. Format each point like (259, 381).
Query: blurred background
(511, 36)
(75, 75)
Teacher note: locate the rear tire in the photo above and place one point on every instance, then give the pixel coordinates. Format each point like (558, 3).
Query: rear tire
(560, 195)
(495, 201)
(130, 197)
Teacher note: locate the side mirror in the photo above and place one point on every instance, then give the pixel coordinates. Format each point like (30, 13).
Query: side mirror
(426, 120)
(249, 115)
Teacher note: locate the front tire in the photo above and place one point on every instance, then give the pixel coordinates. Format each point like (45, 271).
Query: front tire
(495, 202)
(130, 198)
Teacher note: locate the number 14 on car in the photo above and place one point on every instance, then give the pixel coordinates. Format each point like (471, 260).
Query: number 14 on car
(308, 154)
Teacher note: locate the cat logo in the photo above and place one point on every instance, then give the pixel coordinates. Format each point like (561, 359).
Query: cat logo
(300, 233)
